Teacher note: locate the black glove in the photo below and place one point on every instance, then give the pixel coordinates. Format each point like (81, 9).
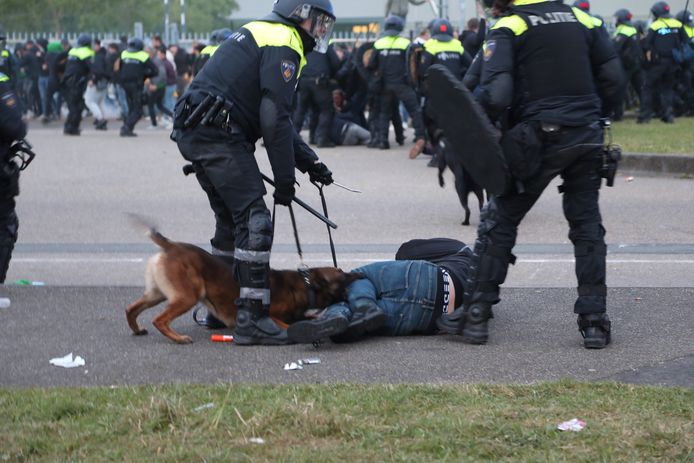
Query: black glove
(320, 173)
(284, 194)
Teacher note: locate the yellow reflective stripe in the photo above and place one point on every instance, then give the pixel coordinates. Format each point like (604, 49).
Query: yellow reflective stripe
(140, 56)
(628, 31)
(277, 35)
(81, 53)
(5, 53)
(3, 77)
(690, 31)
(513, 22)
(527, 2)
(597, 21)
(392, 43)
(584, 18)
(209, 50)
(435, 47)
(662, 23)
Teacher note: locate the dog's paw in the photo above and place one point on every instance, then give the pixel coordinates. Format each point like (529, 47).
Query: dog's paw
(142, 332)
(185, 340)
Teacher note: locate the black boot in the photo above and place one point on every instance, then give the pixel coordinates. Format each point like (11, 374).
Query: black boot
(308, 331)
(254, 325)
(596, 330)
(366, 319)
(469, 322)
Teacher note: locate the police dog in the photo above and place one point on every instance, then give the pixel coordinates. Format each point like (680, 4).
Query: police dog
(464, 184)
(183, 274)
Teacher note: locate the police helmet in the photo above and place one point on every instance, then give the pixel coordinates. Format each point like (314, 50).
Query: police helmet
(223, 34)
(623, 16)
(684, 16)
(319, 12)
(660, 10)
(393, 25)
(84, 40)
(442, 30)
(136, 44)
(582, 5)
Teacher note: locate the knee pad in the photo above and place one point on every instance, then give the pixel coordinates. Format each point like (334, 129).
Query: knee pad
(259, 229)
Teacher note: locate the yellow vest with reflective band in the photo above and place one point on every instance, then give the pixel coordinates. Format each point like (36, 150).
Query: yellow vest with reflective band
(3, 77)
(435, 47)
(140, 56)
(665, 23)
(209, 50)
(597, 21)
(690, 31)
(277, 35)
(81, 53)
(518, 25)
(392, 43)
(627, 31)
(5, 53)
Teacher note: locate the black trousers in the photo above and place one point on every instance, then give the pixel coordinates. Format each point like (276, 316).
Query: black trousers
(660, 76)
(133, 93)
(390, 96)
(75, 104)
(319, 99)
(635, 79)
(574, 154)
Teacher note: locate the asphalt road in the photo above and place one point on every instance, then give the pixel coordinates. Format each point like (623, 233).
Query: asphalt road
(76, 241)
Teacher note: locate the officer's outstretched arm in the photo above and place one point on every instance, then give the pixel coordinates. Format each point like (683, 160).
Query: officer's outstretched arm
(304, 156)
(496, 85)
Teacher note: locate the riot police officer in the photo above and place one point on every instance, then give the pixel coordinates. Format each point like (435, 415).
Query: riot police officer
(628, 48)
(664, 35)
(216, 38)
(390, 59)
(12, 128)
(687, 75)
(135, 66)
(7, 65)
(442, 49)
(77, 70)
(553, 128)
(223, 113)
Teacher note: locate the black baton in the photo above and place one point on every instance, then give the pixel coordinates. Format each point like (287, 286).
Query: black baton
(212, 113)
(197, 114)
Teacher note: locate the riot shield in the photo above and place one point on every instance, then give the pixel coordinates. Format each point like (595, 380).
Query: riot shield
(475, 141)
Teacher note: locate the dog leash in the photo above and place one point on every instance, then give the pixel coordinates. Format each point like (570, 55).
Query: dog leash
(325, 212)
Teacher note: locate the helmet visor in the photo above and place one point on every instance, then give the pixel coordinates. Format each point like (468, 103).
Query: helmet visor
(322, 25)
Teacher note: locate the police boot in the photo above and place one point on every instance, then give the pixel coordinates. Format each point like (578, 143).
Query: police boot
(366, 319)
(469, 322)
(308, 331)
(595, 329)
(255, 327)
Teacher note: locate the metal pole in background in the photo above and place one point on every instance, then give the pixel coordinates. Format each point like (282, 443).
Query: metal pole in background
(183, 17)
(166, 22)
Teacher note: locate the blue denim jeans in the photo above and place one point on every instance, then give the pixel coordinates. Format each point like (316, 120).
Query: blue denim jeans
(405, 290)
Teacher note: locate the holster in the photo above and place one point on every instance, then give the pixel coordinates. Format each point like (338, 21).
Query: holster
(522, 147)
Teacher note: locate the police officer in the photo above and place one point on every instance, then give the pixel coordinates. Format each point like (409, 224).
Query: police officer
(687, 76)
(541, 61)
(584, 5)
(628, 48)
(315, 94)
(12, 128)
(223, 113)
(216, 38)
(77, 71)
(7, 65)
(664, 35)
(135, 66)
(390, 59)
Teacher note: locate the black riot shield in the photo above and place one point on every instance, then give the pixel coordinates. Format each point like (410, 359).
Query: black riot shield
(474, 139)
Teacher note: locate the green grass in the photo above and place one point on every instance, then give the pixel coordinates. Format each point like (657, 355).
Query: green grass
(348, 423)
(655, 137)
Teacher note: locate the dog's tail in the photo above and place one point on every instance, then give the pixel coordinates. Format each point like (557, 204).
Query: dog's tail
(150, 230)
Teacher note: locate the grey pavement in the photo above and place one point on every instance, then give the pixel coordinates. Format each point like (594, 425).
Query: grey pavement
(76, 241)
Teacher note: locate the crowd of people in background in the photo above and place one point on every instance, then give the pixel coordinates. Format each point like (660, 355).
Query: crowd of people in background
(349, 96)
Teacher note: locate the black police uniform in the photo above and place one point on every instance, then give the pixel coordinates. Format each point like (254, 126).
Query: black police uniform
(390, 59)
(315, 94)
(252, 104)
(77, 70)
(664, 35)
(12, 128)
(626, 43)
(135, 67)
(542, 60)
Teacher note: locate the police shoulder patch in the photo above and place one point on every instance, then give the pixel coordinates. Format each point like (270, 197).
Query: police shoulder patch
(288, 70)
(489, 47)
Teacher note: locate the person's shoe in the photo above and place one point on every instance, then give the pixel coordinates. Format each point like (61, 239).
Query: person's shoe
(308, 331)
(127, 133)
(365, 320)
(668, 119)
(210, 321)
(71, 132)
(468, 322)
(596, 330)
(325, 144)
(642, 120)
(255, 327)
(101, 125)
(434, 161)
(400, 140)
(384, 145)
(417, 148)
(372, 143)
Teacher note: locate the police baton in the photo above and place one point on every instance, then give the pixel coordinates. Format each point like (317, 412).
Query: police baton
(317, 214)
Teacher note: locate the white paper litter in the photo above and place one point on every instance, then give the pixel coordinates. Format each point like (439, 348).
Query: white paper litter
(5, 302)
(293, 366)
(68, 361)
(257, 440)
(311, 361)
(204, 407)
(572, 425)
